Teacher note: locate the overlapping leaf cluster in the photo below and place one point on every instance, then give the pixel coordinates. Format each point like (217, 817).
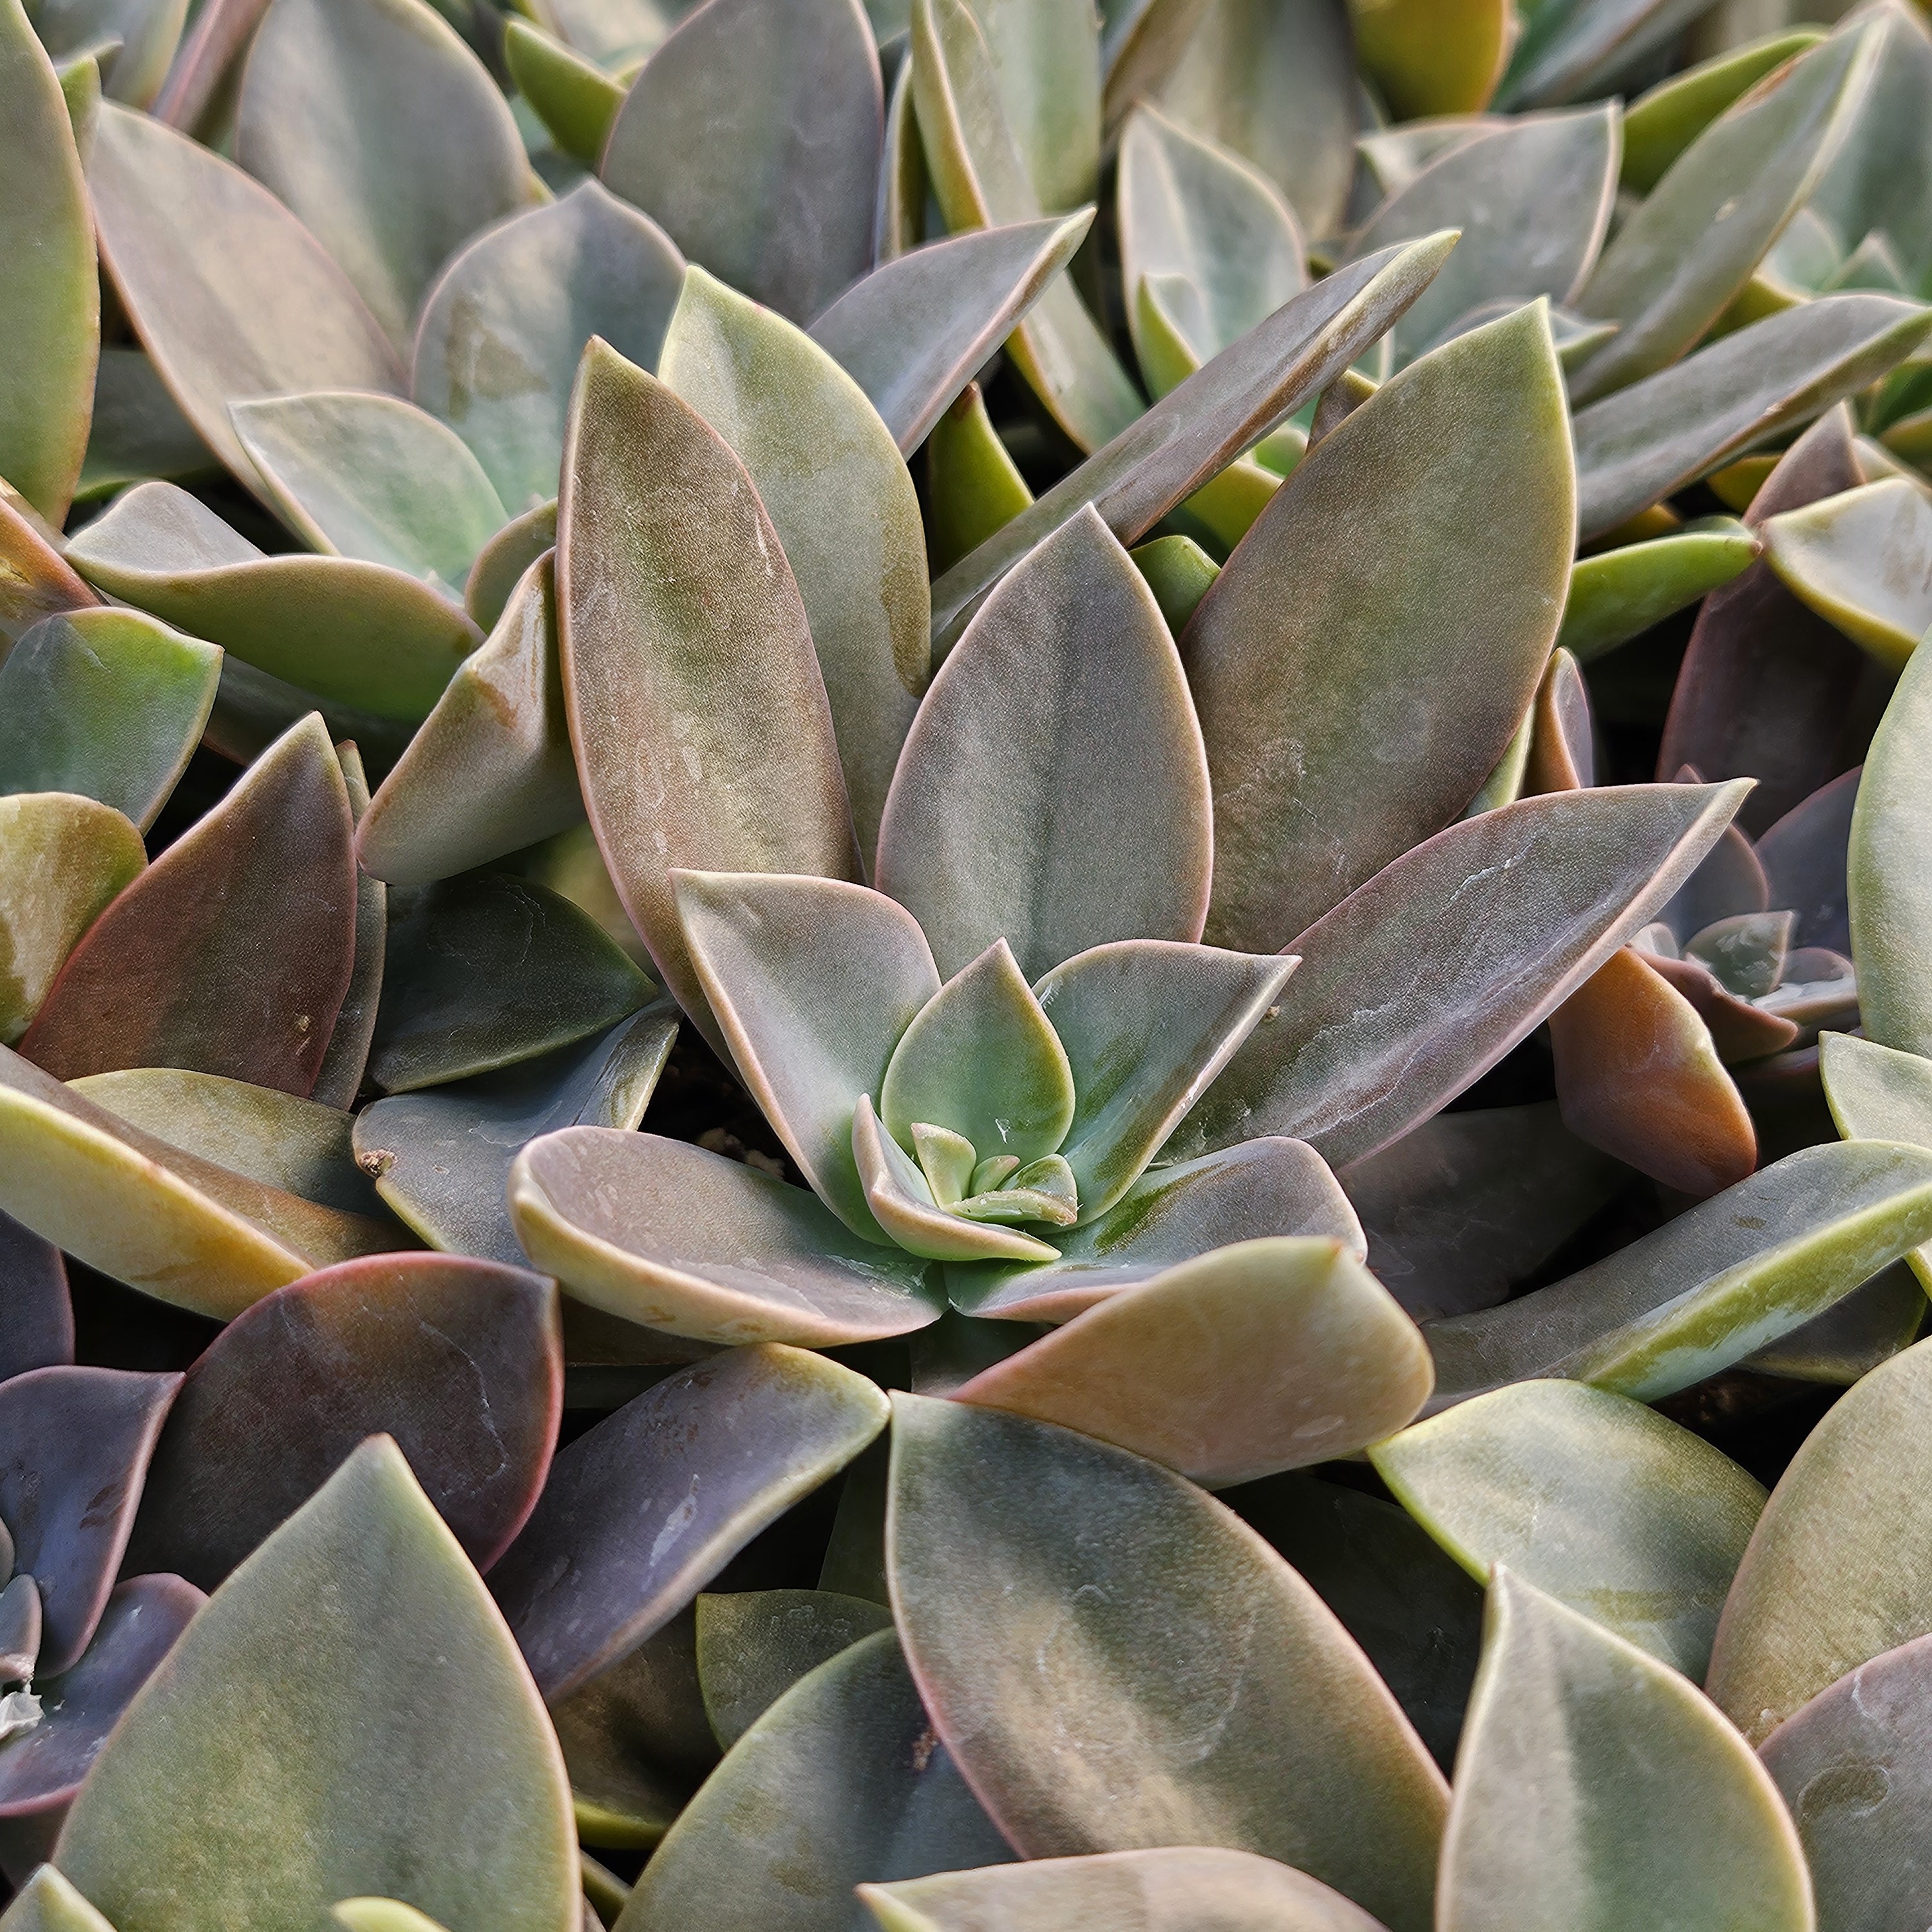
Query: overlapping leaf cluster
(956, 963)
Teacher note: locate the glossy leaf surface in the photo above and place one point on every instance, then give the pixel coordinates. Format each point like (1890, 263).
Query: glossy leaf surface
(1427, 58)
(35, 580)
(1863, 561)
(753, 1646)
(1891, 897)
(1619, 593)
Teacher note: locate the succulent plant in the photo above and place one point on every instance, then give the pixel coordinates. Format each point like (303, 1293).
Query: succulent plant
(964, 968)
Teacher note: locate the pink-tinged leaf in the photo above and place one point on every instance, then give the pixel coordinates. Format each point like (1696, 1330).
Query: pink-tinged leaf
(1803, 856)
(232, 953)
(1562, 748)
(35, 580)
(1423, 979)
(1738, 1030)
(74, 1448)
(36, 1316)
(640, 1513)
(461, 1361)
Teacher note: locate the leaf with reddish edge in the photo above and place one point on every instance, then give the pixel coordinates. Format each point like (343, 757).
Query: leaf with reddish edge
(35, 580)
(1739, 1031)
(1768, 689)
(1804, 855)
(991, 831)
(461, 1361)
(42, 1771)
(36, 1316)
(668, 1235)
(639, 1514)
(698, 717)
(1054, 1594)
(347, 1059)
(74, 1446)
(232, 953)
(1499, 919)
(1263, 1356)
(1562, 750)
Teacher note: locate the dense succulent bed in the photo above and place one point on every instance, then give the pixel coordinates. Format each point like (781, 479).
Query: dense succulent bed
(960, 970)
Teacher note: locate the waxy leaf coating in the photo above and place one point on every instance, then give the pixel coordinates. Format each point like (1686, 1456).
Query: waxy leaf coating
(36, 1315)
(753, 1645)
(1863, 561)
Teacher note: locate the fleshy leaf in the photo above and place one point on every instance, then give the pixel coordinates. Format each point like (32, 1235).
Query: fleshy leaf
(1623, 1516)
(1532, 198)
(982, 1059)
(1180, 573)
(698, 713)
(108, 703)
(361, 633)
(573, 97)
(1592, 1773)
(1264, 1356)
(1863, 561)
(643, 1511)
(1146, 1026)
(1619, 593)
(1429, 58)
(36, 1316)
(74, 1446)
(1891, 893)
(840, 1781)
(1704, 1290)
(50, 314)
(992, 832)
(1805, 855)
(1662, 123)
(1475, 504)
(48, 1903)
(484, 970)
(754, 136)
(230, 296)
(1685, 420)
(1878, 1094)
(813, 982)
(232, 953)
(458, 1360)
(372, 477)
(353, 1676)
(35, 580)
(504, 326)
(1837, 1573)
(753, 1646)
(63, 861)
(1192, 433)
(442, 1158)
(436, 153)
(912, 333)
(1038, 1625)
(669, 1236)
(841, 499)
(1563, 879)
(972, 485)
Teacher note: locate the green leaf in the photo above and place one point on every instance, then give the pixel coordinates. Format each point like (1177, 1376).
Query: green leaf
(840, 1781)
(1437, 947)
(381, 1915)
(130, 43)
(491, 764)
(108, 703)
(1054, 1594)
(1661, 125)
(50, 308)
(1619, 594)
(668, 1236)
(504, 326)
(698, 714)
(1192, 434)
(1878, 1094)
(363, 633)
(1704, 1290)
(35, 581)
(1277, 85)
(1180, 573)
(500, 564)
(1046, 64)
(48, 1903)
(441, 1158)
(372, 477)
(1190, 208)
(352, 1706)
(1627, 1519)
(972, 485)
(754, 1644)
(1267, 1355)
(842, 500)
(230, 296)
(1175, 1888)
(1684, 422)
(573, 97)
(981, 1058)
(1592, 1773)
(1890, 894)
(976, 158)
(1863, 561)
(993, 830)
(1460, 468)
(1852, 1764)
(436, 153)
(754, 136)
(911, 333)
(1532, 198)
(813, 982)
(138, 432)
(1837, 1572)
(1427, 58)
